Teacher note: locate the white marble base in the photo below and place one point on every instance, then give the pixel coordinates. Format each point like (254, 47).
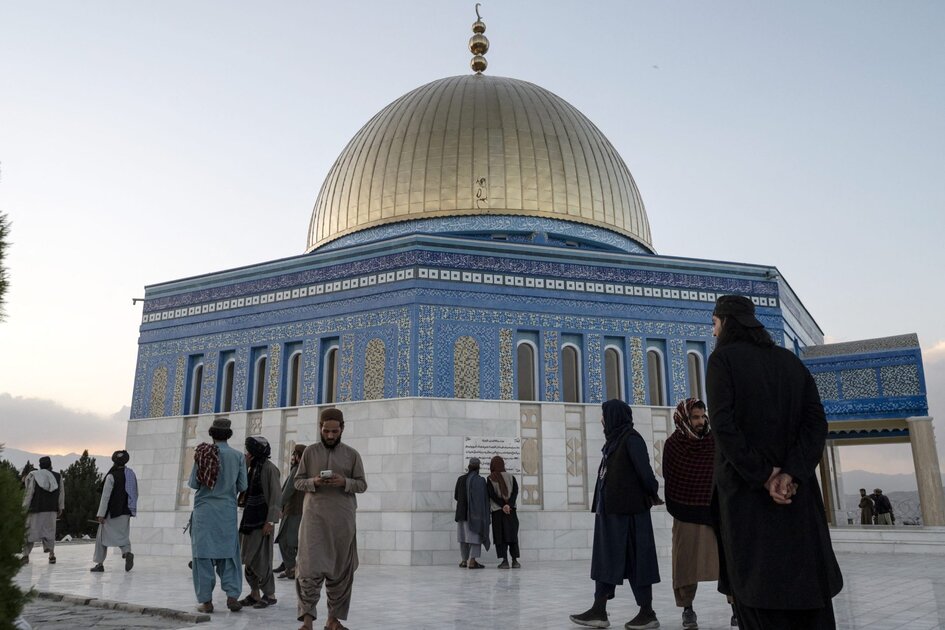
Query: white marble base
(413, 452)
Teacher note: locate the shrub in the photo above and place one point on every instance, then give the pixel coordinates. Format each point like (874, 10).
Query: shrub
(12, 535)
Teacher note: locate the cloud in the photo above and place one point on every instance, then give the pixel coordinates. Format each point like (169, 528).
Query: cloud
(41, 425)
(935, 354)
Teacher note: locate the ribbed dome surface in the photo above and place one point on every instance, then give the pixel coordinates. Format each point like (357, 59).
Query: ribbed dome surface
(476, 145)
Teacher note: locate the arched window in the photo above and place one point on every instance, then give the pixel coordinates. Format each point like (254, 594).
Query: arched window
(696, 375)
(226, 391)
(196, 387)
(656, 374)
(526, 373)
(259, 383)
(330, 376)
(571, 373)
(613, 373)
(294, 380)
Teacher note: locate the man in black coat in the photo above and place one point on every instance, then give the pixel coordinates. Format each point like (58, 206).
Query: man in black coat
(770, 431)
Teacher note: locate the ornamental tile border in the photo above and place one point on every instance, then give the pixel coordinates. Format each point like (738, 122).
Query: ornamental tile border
(506, 363)
(552, 280)
(636, 364)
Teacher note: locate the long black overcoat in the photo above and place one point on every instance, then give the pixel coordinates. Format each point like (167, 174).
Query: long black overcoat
(765, 411)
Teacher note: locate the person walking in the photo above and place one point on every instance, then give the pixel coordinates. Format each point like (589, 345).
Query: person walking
(503, 492)
(688, 456)
(882, 510)
(261, 509)
(770, 431)
(44, 500)
(472, 515)
(866, 508)
(118, 505)
(288, 537)
(218, 476)
(330, 474)
(624, 546)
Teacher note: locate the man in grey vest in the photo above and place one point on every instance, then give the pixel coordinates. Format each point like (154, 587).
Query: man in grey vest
(45, 499)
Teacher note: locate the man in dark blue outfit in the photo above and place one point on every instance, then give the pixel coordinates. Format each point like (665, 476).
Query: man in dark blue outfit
(624, 547)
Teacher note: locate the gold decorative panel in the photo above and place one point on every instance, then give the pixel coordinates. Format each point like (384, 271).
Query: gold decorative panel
(375, 357)
(478, 145)
(466, 368)
(158, 393)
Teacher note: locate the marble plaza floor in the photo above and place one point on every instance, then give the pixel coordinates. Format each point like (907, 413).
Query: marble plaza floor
(882, 591)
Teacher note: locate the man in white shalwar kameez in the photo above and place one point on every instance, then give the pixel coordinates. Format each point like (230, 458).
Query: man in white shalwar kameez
(45, 499)
(119, 503)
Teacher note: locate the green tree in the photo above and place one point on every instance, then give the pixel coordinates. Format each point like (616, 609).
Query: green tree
(12, 535)
(27, 469)
(8, 466)
(4, 276)
(81, 482)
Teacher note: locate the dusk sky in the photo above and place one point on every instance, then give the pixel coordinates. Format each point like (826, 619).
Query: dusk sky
(144, 142)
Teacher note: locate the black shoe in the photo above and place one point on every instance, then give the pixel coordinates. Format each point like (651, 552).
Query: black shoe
(734, 622)
(265, 601)
(462, 565)
(98, 568)
(503, 565)
(129, 561)
(516, 565)
(280, 568)
(591, 619)
(689, 619)
(645, 620)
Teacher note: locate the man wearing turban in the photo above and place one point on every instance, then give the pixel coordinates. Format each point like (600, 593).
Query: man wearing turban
(44, 499)
(260, 513)
(118, 504)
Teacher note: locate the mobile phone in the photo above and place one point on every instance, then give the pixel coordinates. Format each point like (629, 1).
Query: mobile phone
(325, 474)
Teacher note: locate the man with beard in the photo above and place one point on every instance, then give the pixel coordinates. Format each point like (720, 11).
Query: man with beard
(472, 515)
(260, 513)
(288, 537)
(866, 508)
(118, 504)
(882, 508)
(624, 545)
(688, 456)
(218, 475)
(770, 430)
(330, 473)
(45, 498)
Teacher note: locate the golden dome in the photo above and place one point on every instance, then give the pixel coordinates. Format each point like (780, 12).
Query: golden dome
(478, 145)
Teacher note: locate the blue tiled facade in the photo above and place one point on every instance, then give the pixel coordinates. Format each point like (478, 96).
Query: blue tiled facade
(874, 379)
(418, 293)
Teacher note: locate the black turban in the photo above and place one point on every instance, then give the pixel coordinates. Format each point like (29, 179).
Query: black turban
(120, 458)
(258, 447)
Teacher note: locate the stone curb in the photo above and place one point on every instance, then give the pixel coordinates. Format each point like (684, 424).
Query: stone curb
(169, 613)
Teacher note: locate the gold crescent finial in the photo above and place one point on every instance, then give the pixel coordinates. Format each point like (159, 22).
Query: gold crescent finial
(478, 43)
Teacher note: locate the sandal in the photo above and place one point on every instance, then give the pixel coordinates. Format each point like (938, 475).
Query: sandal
(206, 607)
(249, 600)
(265, 601)
(52, 559)
(233, 604)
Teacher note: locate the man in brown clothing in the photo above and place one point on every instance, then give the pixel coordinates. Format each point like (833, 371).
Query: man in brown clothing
(688, 460)
(330, 473)
(288, 537)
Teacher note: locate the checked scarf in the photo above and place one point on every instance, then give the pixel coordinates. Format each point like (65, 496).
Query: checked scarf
(207, 461)
(688, 461)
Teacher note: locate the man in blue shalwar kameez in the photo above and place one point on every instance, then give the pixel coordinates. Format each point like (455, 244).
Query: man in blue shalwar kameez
(219, 474)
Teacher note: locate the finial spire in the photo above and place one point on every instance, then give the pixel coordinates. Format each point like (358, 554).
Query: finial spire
(478, 44)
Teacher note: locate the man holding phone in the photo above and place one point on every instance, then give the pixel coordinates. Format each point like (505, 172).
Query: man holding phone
(330, 473)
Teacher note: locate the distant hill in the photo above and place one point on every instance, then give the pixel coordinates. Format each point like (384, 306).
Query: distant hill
(853, 480)
(59, 462)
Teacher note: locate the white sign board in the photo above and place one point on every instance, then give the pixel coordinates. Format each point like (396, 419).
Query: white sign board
(485, 448)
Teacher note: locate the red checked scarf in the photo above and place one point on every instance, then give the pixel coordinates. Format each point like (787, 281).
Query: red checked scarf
(688, 461)
(207, 462)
